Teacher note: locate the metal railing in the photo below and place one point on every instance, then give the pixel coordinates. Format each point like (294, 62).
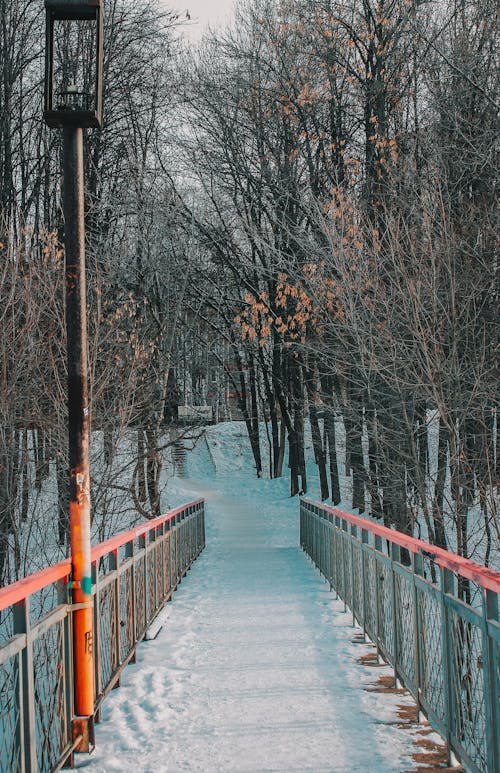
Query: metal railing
(432, 615)
(134, 574)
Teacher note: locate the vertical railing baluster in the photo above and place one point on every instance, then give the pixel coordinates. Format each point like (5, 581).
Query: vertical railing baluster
(68, 669)
(352, 531)
(142, 544)
(27, 691)
(97, 632)
(378, 547)
(395, 552)
(418, 571)
(491, 669)
(162, 558)
(131, 624)
(114, 560)
(446, 587)
(364, 557)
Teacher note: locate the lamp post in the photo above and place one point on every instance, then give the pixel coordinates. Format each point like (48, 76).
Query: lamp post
(73, 101)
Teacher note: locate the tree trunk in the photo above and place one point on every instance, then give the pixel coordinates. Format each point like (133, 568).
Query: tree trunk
(438, 497)
(332, 449)
(153, 468)
(24, 476)
(254, 420)
(319, 452)
(141, 463)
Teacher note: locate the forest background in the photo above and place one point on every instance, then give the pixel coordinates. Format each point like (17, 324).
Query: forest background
(298, 215)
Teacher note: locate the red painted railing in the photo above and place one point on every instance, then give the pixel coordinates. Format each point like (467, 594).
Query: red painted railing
(134, 574)
(481, 575)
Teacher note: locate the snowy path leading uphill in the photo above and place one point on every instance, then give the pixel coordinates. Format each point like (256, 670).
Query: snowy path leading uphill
(254, 669)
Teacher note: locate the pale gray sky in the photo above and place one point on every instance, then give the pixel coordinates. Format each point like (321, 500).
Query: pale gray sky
(204, 12)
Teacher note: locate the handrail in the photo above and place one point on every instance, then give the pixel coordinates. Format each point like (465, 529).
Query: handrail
(481, 575)
(26, 586)
(38, 727)
(113, 543)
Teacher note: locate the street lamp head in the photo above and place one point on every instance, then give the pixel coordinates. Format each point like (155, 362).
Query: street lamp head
(73, 63)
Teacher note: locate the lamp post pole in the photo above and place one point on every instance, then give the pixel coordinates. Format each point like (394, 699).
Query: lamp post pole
(71, 25)
(78, 432)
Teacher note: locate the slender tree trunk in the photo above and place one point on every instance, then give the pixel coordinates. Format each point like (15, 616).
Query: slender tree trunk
(141, 464)
(332, 450)
(281, 454)
(438, 498)
(254, 420)
(373, 478)
(24, 476)
(319, 452)
(153, 471)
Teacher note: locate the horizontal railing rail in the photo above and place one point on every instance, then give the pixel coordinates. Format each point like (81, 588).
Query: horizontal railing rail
(433, 616)
(134, 574)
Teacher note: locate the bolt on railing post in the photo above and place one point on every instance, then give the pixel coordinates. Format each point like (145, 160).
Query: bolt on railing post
(491, 670)
(26, 687)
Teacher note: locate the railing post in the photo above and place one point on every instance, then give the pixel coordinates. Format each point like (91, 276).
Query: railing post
(354, 533)
(344, 568)
(114, 565)
(378, 547)
(162, 558)
(143, 545)
(491, 669)
(446, 587)
(26, 686)
(63, 598)
(364, 541)
(97, 632)
(153, 567)
(129, 553)
(330, 547)
(395, 551)
(418, 571)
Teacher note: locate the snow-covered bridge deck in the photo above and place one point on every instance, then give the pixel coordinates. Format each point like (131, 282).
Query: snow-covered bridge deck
(255, 668)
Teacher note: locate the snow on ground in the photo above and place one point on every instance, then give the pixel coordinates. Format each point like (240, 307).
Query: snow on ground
(255, 668)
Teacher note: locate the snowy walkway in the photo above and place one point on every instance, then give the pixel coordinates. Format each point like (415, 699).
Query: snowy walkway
(254, 669)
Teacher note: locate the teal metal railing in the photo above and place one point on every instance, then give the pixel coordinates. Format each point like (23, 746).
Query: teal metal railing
(433, 616)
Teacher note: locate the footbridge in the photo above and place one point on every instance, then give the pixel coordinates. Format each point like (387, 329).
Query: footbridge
(259, 665)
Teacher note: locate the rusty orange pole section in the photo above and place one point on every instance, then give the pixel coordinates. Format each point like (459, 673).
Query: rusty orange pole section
(78, 431)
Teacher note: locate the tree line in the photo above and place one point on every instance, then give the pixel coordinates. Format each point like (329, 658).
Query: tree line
(312, 190)
(345, 156)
